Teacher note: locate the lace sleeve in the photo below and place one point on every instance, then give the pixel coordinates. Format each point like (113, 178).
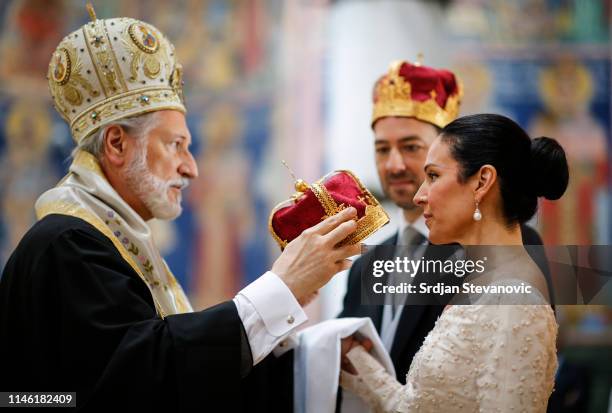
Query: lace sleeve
(381, 391)
(517, 372)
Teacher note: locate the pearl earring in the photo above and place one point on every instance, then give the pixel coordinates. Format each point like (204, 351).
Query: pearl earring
(477, 214)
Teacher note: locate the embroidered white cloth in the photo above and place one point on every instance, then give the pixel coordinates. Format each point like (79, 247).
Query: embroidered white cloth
(317, 365)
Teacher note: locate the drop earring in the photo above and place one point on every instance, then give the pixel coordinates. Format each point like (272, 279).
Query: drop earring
(477, 214)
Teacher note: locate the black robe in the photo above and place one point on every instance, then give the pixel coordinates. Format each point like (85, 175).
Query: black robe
(74, 316)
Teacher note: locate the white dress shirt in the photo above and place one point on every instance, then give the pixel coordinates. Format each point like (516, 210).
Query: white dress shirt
(269, 312)
(418, 224)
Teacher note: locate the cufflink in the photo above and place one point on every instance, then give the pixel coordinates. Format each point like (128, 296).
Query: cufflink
(290, 319)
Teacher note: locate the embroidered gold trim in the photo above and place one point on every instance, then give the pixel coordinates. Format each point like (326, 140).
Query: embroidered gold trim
(327, 202)
(64, 75)
(103, 58)
(89, 162)
(91, 55)
(281, 242)
(137, 42)
(152, 59)
(375, 217)
(177, 292)
(115, 61)
(65, 208)
(67, 90)
(124, 105)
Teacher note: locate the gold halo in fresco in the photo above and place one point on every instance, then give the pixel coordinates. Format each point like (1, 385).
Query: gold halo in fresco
(143, 37)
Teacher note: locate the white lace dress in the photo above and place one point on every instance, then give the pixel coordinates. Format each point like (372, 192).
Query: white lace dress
(477, 358)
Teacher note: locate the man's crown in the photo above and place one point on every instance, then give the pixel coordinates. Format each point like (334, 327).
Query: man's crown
(416, 91)
(326, 197)
(111, 69)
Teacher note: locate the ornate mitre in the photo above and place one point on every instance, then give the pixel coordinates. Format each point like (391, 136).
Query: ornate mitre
(329, 195)
(416, 91)
(111, 69)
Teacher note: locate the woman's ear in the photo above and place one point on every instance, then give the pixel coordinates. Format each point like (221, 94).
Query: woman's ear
(487, 176)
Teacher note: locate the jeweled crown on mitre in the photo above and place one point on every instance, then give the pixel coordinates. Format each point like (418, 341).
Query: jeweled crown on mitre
(417, 91)
(111, 69)
(326, 197)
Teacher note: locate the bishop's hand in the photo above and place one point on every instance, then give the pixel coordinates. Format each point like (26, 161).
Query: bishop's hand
(309, 261)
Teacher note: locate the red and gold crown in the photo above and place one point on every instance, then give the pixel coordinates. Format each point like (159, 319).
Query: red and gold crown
(326, 197)
(416, 91)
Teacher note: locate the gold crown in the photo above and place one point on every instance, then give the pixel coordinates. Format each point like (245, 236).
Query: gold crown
(111, 69)
(393, 95)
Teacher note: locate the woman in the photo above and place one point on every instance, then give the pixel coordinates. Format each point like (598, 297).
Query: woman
(484, 175)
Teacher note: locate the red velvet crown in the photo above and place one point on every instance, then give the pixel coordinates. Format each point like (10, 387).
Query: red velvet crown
(326, 197)
(412, 90)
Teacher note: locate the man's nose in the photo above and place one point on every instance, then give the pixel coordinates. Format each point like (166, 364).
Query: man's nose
(188, 167)
(395, 162)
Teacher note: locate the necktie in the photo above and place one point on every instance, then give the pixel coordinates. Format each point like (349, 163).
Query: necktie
(408, 247)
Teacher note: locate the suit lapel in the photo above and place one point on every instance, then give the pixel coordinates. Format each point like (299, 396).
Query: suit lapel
(409, 319)
(412, 314)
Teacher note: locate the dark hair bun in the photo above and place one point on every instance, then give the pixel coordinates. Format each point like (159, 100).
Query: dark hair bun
(549, 168)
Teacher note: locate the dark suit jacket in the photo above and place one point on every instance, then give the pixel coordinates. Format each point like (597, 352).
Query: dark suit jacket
(416, 320)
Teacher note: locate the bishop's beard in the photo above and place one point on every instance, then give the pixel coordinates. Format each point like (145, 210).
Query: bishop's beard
(151, 190)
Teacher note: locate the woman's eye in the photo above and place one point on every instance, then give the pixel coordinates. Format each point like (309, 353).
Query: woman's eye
(432, 176)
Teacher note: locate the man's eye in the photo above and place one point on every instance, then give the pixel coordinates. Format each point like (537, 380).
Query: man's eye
(412, 148)
(382, 151)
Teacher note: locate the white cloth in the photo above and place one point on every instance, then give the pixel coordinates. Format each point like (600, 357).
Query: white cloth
(485, 357)
(269, 313)
(317, 365)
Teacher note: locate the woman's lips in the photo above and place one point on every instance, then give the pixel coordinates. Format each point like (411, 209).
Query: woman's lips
(428, 218)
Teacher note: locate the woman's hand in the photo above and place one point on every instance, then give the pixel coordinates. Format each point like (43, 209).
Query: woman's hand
(346, 345)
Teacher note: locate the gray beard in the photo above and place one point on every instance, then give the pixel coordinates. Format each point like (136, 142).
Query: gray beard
(150, 189)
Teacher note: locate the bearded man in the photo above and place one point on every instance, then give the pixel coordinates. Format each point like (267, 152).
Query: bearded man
(87, 304)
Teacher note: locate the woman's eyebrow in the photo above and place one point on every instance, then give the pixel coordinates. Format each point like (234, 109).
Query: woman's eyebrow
(431, 164)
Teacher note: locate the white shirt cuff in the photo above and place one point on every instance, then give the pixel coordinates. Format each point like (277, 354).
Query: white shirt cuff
(269, 312)
(285, 345)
